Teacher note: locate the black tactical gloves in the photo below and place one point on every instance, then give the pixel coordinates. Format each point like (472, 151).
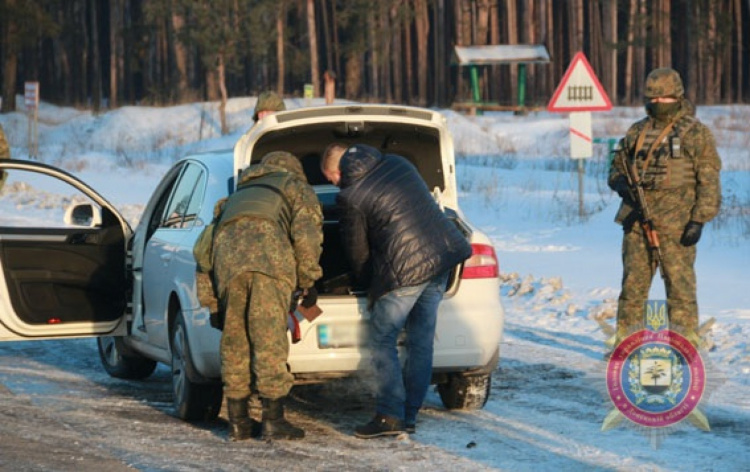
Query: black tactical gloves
(692, 233)
(310, 298)
(623, 189)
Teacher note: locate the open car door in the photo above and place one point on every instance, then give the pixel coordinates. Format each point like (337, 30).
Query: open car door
(61, 275)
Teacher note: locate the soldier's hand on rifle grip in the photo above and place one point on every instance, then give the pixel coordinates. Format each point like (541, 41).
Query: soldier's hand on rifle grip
(622, 188)
(691, 234)
(310, 297)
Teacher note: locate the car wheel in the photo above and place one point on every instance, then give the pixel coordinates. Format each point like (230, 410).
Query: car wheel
(193, 401)
(465, 392)
(120, 365)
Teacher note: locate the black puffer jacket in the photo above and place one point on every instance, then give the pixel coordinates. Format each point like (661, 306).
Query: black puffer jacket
(394, 233)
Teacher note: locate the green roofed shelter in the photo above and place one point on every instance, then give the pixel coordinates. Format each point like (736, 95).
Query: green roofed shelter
(521, 54)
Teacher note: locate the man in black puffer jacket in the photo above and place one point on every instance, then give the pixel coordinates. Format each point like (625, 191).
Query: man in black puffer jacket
(400, 245)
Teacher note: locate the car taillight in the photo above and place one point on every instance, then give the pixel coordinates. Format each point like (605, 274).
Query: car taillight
(482, 264)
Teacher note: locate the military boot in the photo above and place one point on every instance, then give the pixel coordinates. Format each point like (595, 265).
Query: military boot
(241, 426)
(275, 426)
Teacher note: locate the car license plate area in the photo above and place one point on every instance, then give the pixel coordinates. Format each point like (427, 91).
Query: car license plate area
(332, 336)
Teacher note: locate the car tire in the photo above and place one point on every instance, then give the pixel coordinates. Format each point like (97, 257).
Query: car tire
(120, 362)
(465, 392)
(192, 401)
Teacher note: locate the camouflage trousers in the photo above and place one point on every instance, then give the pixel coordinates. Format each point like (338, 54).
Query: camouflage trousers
(254, 341)
(638, 274)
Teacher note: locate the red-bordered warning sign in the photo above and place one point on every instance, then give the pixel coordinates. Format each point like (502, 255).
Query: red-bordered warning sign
(579, 89)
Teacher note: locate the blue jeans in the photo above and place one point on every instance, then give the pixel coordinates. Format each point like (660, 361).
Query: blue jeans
(400, 394)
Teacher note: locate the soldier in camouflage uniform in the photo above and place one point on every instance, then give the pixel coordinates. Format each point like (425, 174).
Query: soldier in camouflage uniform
(676, 160)
(268, 103)
(267, 242)
(4, 154)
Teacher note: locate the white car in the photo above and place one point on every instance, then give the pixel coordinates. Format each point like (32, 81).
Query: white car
(135, 290)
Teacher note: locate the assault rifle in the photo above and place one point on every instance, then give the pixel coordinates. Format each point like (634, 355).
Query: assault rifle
(636, 185)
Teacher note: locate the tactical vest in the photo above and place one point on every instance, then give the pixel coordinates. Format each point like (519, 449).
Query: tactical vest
(670, 165)
(261, 197)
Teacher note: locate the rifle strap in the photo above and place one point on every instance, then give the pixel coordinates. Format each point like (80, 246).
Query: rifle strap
(639, 144)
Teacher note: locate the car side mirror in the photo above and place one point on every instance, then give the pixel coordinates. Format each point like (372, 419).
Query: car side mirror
(83, 214)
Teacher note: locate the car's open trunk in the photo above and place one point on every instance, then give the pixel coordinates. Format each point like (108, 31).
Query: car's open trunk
(336, 278)
(419, 142)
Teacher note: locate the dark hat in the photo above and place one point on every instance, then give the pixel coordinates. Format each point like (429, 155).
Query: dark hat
(268, 101)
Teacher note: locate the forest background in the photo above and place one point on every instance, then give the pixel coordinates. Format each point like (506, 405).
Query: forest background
(108, 53)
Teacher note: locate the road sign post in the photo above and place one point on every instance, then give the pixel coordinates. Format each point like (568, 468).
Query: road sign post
(580, 93)
(31, 100)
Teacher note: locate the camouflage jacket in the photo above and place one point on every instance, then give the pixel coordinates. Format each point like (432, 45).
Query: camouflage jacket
(681, 177)
(4, 148)
(286, 247)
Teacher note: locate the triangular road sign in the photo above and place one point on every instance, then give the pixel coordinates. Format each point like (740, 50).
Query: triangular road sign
(579, 89)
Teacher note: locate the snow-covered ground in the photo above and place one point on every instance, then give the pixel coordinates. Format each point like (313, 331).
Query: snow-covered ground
(561, 273)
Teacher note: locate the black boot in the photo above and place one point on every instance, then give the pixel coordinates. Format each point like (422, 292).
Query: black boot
(241, 426)
(275, 426)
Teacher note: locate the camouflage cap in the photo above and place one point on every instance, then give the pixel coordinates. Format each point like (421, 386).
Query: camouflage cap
(268, 101)
(283, 159)
(663, 82)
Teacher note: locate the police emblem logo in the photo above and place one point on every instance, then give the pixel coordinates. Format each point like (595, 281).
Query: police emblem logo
(656, 377)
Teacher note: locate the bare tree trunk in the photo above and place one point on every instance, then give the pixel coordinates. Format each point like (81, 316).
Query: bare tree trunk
(529, 36)
(211, 85)
(575, 19)
(83, 83)
(353, 76)
(422, 23)
(630, 54)
(280, 59)
(96, 72)
(715, 54)
(128, 48)
(10, 60)
(595, 36)
(640, 57)
(327, 38)
(609, 56)
(462, 39)
(482, 21)
(385, 43)
(114, 34)
(693, 51)
(667, 33)
(398, 71)
(221, 72)
(738, 23)
(409, 61)
(552, 37)
(180, 57)
(439, 83)
(336, 49)
(512, 28)
(374, 82)
(496, 86)
(312, 33)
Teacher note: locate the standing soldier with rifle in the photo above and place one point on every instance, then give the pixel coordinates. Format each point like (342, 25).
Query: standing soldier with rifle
(666, 169)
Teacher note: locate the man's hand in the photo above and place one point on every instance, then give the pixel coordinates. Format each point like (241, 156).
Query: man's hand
(692, 233)
(310, 297)
(623, 189)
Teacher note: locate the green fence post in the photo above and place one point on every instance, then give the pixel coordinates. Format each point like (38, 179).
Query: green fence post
(475, 87)
(522, 86)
